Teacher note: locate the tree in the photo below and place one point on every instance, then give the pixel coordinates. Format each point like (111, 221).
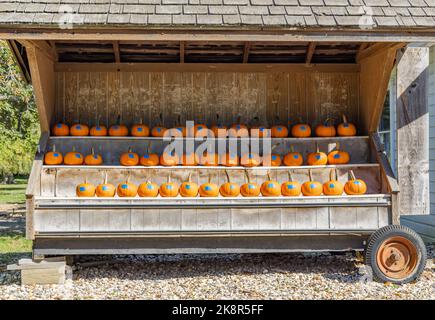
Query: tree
(19, 126)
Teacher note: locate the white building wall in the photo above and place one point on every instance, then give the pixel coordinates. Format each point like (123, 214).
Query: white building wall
(432, 128)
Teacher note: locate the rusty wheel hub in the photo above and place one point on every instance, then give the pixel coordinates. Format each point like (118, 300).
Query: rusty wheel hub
(397, 257)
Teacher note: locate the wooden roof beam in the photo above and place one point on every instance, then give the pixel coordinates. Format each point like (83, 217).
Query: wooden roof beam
(310, 52)
(42, 45)
(246, 52)
(182, 51)
(116, 51)
(377, 48)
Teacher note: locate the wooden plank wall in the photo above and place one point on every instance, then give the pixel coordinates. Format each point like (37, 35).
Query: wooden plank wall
(200, 95)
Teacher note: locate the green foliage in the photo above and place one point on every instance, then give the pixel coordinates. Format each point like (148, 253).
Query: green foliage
(19, 126)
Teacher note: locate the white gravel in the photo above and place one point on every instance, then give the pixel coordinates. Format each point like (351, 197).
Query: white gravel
(249, 276)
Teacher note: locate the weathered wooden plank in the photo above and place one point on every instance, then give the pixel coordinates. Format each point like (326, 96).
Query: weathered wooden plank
(56, 220)
(412, 131)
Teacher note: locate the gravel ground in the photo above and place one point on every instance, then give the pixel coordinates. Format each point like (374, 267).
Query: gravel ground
(248, 276)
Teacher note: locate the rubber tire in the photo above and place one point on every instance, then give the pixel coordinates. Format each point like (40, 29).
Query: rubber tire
(379, 236)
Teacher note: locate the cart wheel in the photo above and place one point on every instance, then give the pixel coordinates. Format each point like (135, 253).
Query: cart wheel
(396, 254)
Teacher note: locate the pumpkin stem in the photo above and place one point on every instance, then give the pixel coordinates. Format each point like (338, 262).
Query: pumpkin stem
(54, 148)
(275, 146)
(217, 119)
(169, 178)
(209, 177)
(310, 175)
(276, 119)
(190, 177)
(337, 146)
(161, 119)
(292, 149)
(118, 120)
(328, 120)
(86, 179)
(268, 176)
(148, 147)
(352, 175)
(129, 149)
(344, 119)
(317, 147)
(128, 177)
(239, 119)
(92, 151)
(290, 178)
(74, 149)
(247, 176)
(228, 176)
(331, 174)
(105, 177)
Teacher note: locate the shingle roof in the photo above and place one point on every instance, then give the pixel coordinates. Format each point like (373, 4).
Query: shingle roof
(264, 13)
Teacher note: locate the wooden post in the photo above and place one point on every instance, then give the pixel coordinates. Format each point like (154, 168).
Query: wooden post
(413, 131)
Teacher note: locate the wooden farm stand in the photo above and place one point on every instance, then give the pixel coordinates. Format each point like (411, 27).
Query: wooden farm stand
(194, 74)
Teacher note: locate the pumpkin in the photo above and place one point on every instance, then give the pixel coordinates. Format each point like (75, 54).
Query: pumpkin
(209, 159)
(85, 189)
(230, 159)
(149, 159)
(238, 130)
(355, 186)
(258, 130)
(129, 158)
(79, 129)
(270, 188)
(73, 158)
(105, 190)
(169, 159)
(346, 129)
(272, 160)
(229, 189)
(159, 130)
(219, 130)
(60, 130)
(93, 159)
(301, 130)
(179, 130)
(293, 159)
(190, 159)
(189, 188)
(208, 189)
(98, 130)
(250, 159)
(126, 189)
(148, 189)
(169, 189)
(53, 157)
(311, 188)
(140, 130)
(317, 158)
(333, 187)
(250, 189)
(326, 129)
(279, 131)
(338, 156)
(290, 188)
(118, 130)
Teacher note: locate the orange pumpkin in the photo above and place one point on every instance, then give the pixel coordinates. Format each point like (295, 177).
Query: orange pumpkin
(355, 186)
(209, 189)
(105, 190)
(258, 130)
(140, 130)
(189, 188)
(346, 129)
(290, 188)
(98, 130)
(126, 189)
(169, 159)
(238, 130)
(272, 160)
(179, 130)
(333, 187)
(326, 129)
(93, 159)
(338, 156)
(148, 190)
(169, 189)
(250, 189)
(218, 129)
(149, 159)
(311, 188)
(79, 129)
(118, 130)
(53, 158)
(190, 159)
(293, 159)
(73, 158)
(317, 158)
(229, 189)
(129, 158)
(250, 159)
(270, 188)
(230, 159)
(301, 130)
(158, 131)
(209, 159)
(60, 130)
(279, 131)
(85, 189)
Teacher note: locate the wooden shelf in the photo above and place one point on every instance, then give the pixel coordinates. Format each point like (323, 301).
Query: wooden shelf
(109, 167)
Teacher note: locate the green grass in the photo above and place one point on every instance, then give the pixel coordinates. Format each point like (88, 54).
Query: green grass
(14, 247)
(13, 193)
